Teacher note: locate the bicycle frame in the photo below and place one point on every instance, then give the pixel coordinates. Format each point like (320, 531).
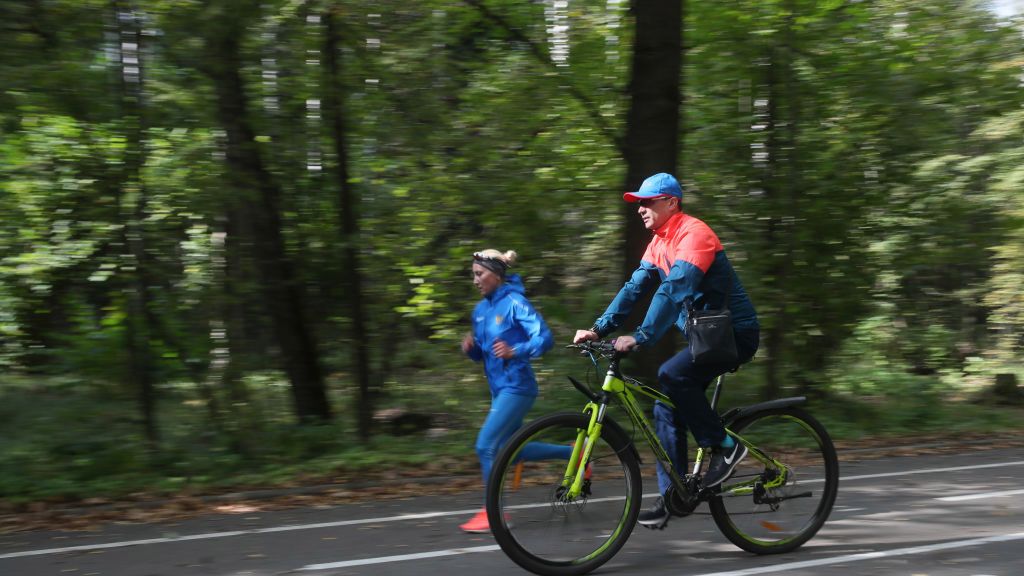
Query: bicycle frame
(626, 391)
(561, 518)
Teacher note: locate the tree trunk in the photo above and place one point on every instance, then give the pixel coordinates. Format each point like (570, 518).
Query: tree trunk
(774, 237)
(258, 199)
(781, 187)
(139, 323)
(652, 129)
(652, 137)
(348, 205)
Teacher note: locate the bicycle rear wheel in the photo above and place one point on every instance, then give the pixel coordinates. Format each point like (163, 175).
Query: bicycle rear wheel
(767, 508)
(534, 520)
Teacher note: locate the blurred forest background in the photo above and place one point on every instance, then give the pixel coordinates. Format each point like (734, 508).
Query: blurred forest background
(234, 231)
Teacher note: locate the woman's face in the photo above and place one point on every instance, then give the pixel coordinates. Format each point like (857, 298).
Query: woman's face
(485, 280)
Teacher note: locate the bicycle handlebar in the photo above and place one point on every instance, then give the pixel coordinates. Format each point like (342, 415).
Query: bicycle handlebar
(603, 348)
(598, 349)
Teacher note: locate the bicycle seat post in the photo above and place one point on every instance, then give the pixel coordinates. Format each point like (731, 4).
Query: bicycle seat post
(717, 392)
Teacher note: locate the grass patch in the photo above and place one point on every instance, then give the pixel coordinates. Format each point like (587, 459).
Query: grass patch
(64, 439)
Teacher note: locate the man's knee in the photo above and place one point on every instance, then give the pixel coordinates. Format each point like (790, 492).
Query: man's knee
(678, 380)
(666, 372)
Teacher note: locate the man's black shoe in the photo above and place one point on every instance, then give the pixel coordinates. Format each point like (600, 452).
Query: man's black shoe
(723, 462)
(656, 517)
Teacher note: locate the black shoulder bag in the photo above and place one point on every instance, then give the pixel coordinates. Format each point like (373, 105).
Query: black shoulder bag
(710, 335)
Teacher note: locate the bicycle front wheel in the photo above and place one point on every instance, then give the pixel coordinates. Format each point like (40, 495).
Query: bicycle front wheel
(783, 491)
(533, 517)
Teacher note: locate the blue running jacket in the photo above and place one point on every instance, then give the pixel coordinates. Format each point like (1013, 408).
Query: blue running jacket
(507, 315)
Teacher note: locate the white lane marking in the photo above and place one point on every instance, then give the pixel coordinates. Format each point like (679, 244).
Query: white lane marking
(401, 558)
(930, 471)
(88, 547)
(608, 499)
(212, 535)
(981, 495)
(402, 517)
(872, 555)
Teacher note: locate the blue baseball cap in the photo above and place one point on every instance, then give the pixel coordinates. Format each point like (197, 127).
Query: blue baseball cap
(661, 184)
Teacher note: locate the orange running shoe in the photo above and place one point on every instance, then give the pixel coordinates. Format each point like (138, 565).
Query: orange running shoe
(478, 524)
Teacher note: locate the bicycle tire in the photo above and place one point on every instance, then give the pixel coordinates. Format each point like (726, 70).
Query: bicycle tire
(536, 526)
(780, 518)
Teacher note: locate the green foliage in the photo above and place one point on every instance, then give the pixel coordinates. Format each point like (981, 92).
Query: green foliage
(861, 162)
(833, 141)
(72, 439)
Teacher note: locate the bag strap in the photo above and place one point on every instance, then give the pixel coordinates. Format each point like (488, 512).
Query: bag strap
(728, 290)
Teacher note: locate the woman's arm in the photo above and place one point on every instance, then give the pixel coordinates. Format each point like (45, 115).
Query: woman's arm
(532, 323)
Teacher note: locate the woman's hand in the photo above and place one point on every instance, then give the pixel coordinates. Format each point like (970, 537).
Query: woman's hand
(585, 335)
(468, 343)
(502, 350)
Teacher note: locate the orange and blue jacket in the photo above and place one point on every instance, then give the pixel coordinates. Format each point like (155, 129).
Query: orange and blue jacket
(687, 264)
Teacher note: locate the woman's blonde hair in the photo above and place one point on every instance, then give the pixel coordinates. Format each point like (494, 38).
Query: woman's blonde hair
(508, 258)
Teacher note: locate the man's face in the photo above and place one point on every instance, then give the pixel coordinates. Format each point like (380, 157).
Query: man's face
(655, 211)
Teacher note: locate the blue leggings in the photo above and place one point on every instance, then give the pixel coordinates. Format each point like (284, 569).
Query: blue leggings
(506, 416)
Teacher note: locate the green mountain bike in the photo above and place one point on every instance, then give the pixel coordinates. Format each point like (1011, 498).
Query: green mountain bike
(557, 517)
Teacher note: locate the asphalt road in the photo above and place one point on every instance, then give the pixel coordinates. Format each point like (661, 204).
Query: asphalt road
(925, 515)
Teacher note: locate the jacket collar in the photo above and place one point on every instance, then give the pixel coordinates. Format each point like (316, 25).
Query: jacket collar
(513, 284)
(671, 225)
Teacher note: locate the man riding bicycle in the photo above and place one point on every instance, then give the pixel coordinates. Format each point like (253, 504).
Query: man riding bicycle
(687, 267)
